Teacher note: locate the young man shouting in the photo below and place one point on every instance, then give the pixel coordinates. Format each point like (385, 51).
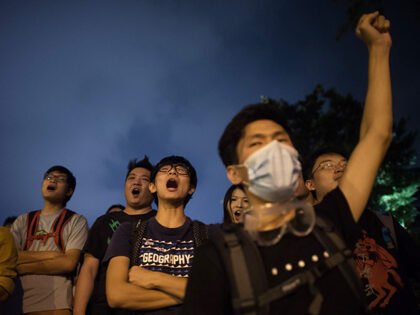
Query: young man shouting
(49, 242)
(150, 272)
(91, 281)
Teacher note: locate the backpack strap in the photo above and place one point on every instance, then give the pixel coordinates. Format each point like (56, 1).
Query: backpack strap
(137, 233)
(200, 233)
(58, 227)
(342, 255)
(240, 255)
(32, 220)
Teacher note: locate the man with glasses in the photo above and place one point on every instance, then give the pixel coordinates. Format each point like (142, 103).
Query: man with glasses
(385, 255)
(150, 272)
(49, 242)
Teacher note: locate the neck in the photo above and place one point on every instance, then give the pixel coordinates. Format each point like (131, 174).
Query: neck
(270, 221)
(133, 211)
(170, 215)
(51, 207)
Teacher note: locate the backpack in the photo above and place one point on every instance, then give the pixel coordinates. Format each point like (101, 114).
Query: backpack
(32, 221)
(247, 279)
(200, 234)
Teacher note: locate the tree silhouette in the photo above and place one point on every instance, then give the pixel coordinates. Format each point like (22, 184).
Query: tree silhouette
(327, 118)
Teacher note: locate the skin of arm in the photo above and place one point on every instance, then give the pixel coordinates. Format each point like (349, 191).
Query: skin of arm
(122, 294)
(85, 284)
(376, 126)
(25, 256)
(158, 280)
(60, 264)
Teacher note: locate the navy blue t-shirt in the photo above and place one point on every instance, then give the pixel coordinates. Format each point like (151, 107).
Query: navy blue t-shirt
(167, 250)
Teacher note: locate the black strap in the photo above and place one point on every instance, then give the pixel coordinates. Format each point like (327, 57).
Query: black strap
(346, 266)
(200, 233)
(244, 302)
(137, 234)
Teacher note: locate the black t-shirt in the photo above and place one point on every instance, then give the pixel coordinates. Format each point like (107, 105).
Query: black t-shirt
(384, 266)
(208, 287)
(98, 240)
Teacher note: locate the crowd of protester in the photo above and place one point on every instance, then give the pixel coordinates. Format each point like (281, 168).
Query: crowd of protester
(295, 238)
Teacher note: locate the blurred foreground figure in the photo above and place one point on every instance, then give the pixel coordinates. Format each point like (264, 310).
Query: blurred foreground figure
(49, 242)
(286, 260)
(8, 258)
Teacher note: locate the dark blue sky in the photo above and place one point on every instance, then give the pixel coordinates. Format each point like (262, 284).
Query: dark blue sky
(93, 84)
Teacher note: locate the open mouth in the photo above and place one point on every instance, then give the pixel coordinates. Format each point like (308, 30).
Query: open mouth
(237, 213)
(171, 183)
(135, 191)
(50, 187)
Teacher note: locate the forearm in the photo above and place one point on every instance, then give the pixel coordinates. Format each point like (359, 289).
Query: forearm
(122, 294)
(25, 256)
(377, 115)
(167, 283)
(85, 284)
(131, 296)
(62, 263)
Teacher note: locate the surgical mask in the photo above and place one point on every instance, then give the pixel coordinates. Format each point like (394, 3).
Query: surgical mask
(273, 172)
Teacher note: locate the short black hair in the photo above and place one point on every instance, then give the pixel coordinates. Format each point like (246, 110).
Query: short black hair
(71, 180)
(9, 220)
(235, 129)
(309, 163)
(175, 160)
(145, 163)
(228, 196)
(120, 206)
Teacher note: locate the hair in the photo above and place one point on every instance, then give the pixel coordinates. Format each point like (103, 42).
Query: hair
(235, 129)
(9, 221)
(71, 180)
(227, 218)
(175, 160)
(309, 163)
(145, 163)
(120, 206)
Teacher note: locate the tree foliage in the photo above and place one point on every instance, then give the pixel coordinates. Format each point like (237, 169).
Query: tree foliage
(327, 118)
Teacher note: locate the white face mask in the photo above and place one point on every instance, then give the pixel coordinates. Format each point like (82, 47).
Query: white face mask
(273, 172)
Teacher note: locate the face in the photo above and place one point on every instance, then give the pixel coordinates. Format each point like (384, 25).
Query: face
(256, 135)
(55, 188)
(172, 183)
(326, 174)
(136, 192)
(238, 202)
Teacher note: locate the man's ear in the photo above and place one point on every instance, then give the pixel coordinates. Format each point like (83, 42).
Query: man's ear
(152, 187)
(236, 174)
(69, 192)
(309, 183)
(191, 190)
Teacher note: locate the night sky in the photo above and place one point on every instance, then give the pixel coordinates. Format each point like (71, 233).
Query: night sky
(93, 84)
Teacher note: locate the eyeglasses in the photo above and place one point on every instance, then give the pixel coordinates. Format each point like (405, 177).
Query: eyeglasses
(58, 179)
(328, 165)
(180, 170)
